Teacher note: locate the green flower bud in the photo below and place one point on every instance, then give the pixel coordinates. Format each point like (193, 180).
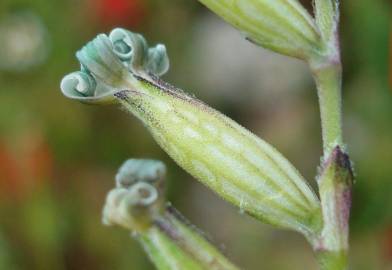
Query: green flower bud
(223, 155)
(226, 157)
(169, 240)
(138, 197)
(283, 26)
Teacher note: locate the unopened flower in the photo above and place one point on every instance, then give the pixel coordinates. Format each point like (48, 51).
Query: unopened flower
(169, 240)
(223, 155)
(138, 198)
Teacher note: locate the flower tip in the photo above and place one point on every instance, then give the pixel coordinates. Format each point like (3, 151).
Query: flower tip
(99, 58)
(78, 84)
(131, 208)
(145, 193)
(109, 64)
(158, 60)
(122, 44)
(83, 87)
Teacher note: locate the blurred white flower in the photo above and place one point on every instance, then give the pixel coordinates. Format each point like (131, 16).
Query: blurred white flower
(24, 41)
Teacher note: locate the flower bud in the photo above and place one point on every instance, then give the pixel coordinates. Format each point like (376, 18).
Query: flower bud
(283, 26)
(166, 236)
(223, 155)
(226, 157)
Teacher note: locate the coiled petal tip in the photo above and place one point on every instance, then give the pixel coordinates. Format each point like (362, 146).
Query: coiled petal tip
(109, 62)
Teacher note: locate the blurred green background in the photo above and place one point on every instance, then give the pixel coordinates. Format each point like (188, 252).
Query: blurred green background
(58, 158)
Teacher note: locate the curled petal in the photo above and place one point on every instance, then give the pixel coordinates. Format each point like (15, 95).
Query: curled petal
(78, 83)
(112, 63)
(132, 208)
(133, 50)
(143, 194)
(158, 61)
(130, 47)
(140, 170)
(83, 87)
(99, 58)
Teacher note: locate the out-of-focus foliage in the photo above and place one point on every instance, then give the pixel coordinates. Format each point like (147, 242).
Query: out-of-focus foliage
(58, 158)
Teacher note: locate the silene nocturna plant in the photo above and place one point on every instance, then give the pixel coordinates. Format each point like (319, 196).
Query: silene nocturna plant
(240, 167)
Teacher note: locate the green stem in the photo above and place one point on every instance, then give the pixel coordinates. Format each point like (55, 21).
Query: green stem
(335, 179)
(329, 260)
(328, 79)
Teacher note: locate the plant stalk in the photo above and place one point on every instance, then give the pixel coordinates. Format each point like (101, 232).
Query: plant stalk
(332, 260)
(328, 78)
(335, 179)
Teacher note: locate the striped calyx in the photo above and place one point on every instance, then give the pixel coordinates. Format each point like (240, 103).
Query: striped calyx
(283, 26)
(174, 243)
(327, 18)
(226, 157)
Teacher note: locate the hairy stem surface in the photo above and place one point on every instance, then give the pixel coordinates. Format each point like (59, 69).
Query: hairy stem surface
(329, 80)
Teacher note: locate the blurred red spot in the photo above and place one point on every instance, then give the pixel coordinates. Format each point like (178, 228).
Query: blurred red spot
(9, 172)
(38, 161)
(119, 12)
(24, 168)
